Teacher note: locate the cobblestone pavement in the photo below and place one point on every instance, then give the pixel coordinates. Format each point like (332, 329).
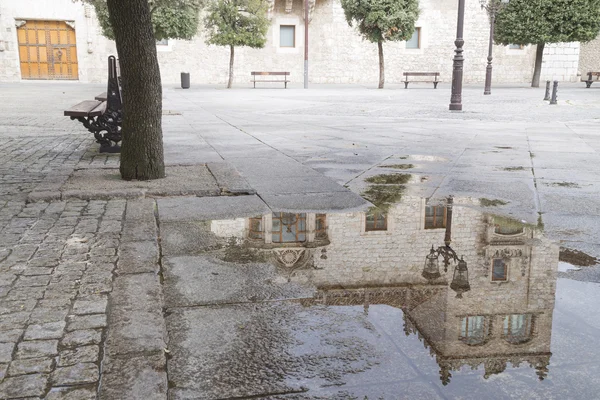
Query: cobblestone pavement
(56, 271)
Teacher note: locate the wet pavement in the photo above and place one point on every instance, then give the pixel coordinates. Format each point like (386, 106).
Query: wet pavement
(348, 313)
(285, 255)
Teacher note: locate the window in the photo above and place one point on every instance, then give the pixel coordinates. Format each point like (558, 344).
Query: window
(474, 330)
(163, 42)
(287, 36)
(516, 46)
(518, 328)
(321, 226)
(415, 41)
(499, 270)
(376, 220)
(289, 228)
(435, 217)
(256, 228)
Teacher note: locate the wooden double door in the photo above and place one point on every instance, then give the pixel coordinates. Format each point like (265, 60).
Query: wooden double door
(47, 50)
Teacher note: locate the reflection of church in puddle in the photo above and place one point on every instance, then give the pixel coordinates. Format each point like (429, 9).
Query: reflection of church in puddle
(373, 258)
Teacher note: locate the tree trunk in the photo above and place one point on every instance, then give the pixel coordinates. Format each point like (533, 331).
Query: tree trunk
(537, 71)
(381, 66)
(142, 155)
(231, 54)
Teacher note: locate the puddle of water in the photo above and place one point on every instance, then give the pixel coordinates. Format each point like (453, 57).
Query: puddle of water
(420, 300)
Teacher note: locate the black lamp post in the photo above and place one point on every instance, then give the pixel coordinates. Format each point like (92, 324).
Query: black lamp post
(457, 69)
(431, 270)
(492, 7)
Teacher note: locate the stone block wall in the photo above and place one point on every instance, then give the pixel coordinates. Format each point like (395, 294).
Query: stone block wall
(337, 54)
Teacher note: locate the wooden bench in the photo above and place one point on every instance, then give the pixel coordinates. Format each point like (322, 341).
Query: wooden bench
(435, 81)
(258, 73)
(590, 78)
(104, 115)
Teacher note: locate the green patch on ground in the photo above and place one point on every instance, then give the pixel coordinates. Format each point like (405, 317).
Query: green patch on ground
(383, 196)
(389, 179)
(578, 258)
(398, 166)
(570, 185)
(483, 202)
(514, 169)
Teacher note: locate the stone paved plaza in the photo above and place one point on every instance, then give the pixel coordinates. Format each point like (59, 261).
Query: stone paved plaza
(88, 305)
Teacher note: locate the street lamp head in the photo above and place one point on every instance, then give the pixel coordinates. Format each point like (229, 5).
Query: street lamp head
(431, 271)
(460, 280)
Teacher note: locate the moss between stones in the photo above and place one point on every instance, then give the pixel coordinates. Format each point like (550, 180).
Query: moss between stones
(398, 166)
(514, 169)
(483, 202)
(387, 179)
(571, 185)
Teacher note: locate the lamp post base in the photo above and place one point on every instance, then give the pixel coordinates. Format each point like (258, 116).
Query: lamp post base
(455, 107)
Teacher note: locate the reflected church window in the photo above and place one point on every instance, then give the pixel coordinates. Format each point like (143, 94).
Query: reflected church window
(376, 220)
(256, 228)
(499, 270)
(474, 330)
(321, 226)
(289, 228)
(435, 217)
(518, 328)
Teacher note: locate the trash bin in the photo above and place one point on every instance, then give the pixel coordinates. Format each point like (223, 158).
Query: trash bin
(185, 80)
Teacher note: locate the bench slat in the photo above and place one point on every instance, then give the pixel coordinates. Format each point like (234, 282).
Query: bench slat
(82, 109)
(421, 73)
(268, 73)
(99, 110)
(101, 97)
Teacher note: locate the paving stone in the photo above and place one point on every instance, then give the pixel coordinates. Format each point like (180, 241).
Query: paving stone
(29, 281)
(136, 257)
(3, 369)
(6, 350)
(25, 293)
(29, 366)
(81, 338)
(78, 322)
(90, 305)
(37, 349)
(35, 271)
(23, 386)
(78, 355)
(42, 315)
(71, 394)
(7, 278)
(50, 330)
(138, 377)
(14, 320)
(10, 336)
(77, 374)
(9, 307)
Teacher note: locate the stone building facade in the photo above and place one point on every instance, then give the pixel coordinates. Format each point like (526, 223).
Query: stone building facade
(358, 258)
(337, 54)
(589, 57)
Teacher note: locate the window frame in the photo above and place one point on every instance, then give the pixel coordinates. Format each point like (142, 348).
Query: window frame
(254, 234)
(474, 340)
(505, 279)
(418, 32)
(507, 327)
(293, 36)
(444, 218)
(299, 217)
(375, 214)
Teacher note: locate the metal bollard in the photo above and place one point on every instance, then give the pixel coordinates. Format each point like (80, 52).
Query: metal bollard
(547, 95)
(554, 93)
